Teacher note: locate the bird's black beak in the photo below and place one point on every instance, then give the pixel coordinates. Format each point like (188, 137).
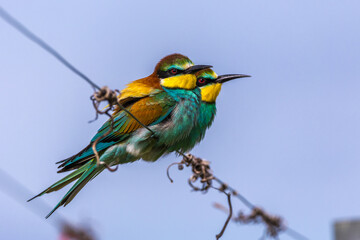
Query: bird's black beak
(196, 68)
(228, 77)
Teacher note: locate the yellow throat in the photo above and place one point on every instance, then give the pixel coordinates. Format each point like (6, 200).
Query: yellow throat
(210, 92)
(187, 81)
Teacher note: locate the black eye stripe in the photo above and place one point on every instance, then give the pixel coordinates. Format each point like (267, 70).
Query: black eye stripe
(203, 81)
(169, 73)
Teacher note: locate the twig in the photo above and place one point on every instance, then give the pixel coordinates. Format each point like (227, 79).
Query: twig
(200, 168)
(104, 94)
(180, 167)
(111, 97)
(274, 224)
(201, 171)
(235, 193)
(218, 236)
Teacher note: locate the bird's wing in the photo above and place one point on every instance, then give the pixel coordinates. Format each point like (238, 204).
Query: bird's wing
(140, 88)
(149, 110)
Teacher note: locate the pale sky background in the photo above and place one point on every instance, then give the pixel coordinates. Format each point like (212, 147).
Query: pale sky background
(288, 138)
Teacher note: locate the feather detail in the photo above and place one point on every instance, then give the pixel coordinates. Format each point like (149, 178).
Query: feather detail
(64, 181)
(148, 110)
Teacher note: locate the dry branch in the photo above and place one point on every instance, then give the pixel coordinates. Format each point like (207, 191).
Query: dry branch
(200, 168)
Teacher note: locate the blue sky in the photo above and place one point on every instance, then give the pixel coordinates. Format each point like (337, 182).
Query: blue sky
(288, 138)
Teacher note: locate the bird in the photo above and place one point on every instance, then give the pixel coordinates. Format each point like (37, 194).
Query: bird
(167, 102)
(210, 86)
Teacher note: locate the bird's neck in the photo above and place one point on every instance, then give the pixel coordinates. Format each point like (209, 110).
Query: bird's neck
(178, 93)
(207, 114)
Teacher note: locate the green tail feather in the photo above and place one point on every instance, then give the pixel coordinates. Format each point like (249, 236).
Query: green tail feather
(64, 181)
(91, 171)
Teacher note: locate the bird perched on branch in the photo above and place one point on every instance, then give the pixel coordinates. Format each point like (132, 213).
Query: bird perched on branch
(167, 102)
(210, 86)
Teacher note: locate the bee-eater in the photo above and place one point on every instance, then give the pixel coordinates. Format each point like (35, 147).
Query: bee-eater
(210, 85)
(170, 108)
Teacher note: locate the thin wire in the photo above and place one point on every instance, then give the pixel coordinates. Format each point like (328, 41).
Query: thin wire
(14, 189)
(135, 118)
(289, 231)
(26, 32)
(21, 28)
(236, 194)
(18, 192)
(295, 234)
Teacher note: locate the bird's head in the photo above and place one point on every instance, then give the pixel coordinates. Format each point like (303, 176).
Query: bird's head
(210, 83)
(178, 71)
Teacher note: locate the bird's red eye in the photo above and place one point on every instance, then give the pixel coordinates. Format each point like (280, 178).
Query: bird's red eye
(201, 80)
(174, 71)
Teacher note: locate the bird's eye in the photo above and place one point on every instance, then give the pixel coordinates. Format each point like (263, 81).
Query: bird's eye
(173, 71)
(201, 82)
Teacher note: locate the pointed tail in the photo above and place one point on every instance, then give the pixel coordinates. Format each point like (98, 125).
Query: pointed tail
(63, 182)
(83, 174)
(92, 171)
